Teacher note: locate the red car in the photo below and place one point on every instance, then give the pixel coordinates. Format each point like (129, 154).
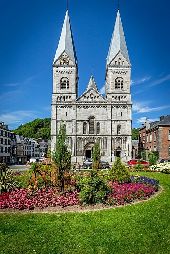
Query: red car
(136, 162)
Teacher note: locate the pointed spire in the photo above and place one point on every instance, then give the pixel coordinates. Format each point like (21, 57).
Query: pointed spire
(118, 42)
(92, 84)
(66, 43)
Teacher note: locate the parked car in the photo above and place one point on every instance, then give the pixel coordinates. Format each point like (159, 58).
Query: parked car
(136, 162)
(104, 165)
(164, 160)
(88, 164)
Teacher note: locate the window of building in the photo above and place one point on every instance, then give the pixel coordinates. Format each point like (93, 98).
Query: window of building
(91, 125)
(84, 128)
(169, 135)
(118, 129)
(119, 83)
(98, 128)
(64, 83)
(2, 141)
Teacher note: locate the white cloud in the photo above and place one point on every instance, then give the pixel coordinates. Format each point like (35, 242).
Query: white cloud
(144, 118)
(140, 81)
(160, 80)
(139, 107)
(15, 118)
(102, 90)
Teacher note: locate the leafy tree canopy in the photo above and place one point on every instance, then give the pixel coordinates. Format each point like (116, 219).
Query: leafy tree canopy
(135, 133)
(39, 128)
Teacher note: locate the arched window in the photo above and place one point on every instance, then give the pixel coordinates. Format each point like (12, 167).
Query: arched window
(119, 83)
(64, 83)
(84, 128)
(98, 128)
(118, 129)
(91, 125)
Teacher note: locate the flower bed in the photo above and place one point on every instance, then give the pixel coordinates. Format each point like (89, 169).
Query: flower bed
(129, 192)
(161, 167)
(23, 199)
(138, 189)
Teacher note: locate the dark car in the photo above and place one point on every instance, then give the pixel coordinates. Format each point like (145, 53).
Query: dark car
(88, 164)
(104, 165)
(164, 160)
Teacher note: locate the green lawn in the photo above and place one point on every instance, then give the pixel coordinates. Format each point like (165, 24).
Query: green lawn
(141, 228)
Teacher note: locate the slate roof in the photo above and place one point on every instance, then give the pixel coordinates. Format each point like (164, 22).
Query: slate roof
(66, 43)
(164, 120)
(118, 42)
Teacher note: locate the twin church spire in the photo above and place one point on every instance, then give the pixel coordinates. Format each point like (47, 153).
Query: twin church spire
(118, 42)
(117, 45)
(66, 42)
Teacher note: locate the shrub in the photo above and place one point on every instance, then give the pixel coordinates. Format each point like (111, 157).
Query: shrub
(119, 172)
(152, 158)
(139, 167)
(6, 178)
(93, 188)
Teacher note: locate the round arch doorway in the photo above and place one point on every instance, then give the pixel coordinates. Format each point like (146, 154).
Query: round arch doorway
(118, 152)
(88, 150)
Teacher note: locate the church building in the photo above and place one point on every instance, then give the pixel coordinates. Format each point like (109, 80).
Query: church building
(92, 117)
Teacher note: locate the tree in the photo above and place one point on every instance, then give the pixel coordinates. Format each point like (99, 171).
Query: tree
(135, 133)
(39, 128)
(96, 156)
(62, 156)
(119, 172)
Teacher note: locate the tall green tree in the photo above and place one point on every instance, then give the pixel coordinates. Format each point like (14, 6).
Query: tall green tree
(62, 156)
(96, 156)
(135, 133)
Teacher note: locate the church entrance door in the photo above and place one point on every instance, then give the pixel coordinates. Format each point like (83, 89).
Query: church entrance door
(88, 149)
(118, 152)
(88, 154)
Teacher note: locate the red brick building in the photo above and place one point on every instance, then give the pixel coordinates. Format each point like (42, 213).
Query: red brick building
(155, 136)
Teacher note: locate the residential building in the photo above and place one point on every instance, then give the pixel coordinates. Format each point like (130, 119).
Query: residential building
(155, 136)
(7, 144)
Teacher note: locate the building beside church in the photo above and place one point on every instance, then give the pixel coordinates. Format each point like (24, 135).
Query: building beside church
(93, 117)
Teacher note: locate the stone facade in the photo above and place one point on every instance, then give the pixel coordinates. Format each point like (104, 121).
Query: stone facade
(93, 117)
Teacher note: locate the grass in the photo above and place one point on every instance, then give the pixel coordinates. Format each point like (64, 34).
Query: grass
(136, 229)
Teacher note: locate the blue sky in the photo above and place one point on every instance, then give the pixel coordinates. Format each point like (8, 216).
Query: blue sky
(30, 31)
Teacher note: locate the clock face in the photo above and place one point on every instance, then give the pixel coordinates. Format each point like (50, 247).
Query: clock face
(64, 60)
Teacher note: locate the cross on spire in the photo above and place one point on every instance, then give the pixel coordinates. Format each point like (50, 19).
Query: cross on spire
(67, 2)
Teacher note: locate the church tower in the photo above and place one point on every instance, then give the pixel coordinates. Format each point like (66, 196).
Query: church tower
(117, 89)
(65, 80)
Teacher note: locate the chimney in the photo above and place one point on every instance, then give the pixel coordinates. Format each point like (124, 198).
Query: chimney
(162, 118)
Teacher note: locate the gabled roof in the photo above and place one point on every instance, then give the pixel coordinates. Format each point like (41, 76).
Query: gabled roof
(118, 42)
(91, 92)
(66, 43)
(92, 84)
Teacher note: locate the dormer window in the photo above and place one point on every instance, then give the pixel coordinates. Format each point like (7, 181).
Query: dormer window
(119, 83)
(64, 83)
